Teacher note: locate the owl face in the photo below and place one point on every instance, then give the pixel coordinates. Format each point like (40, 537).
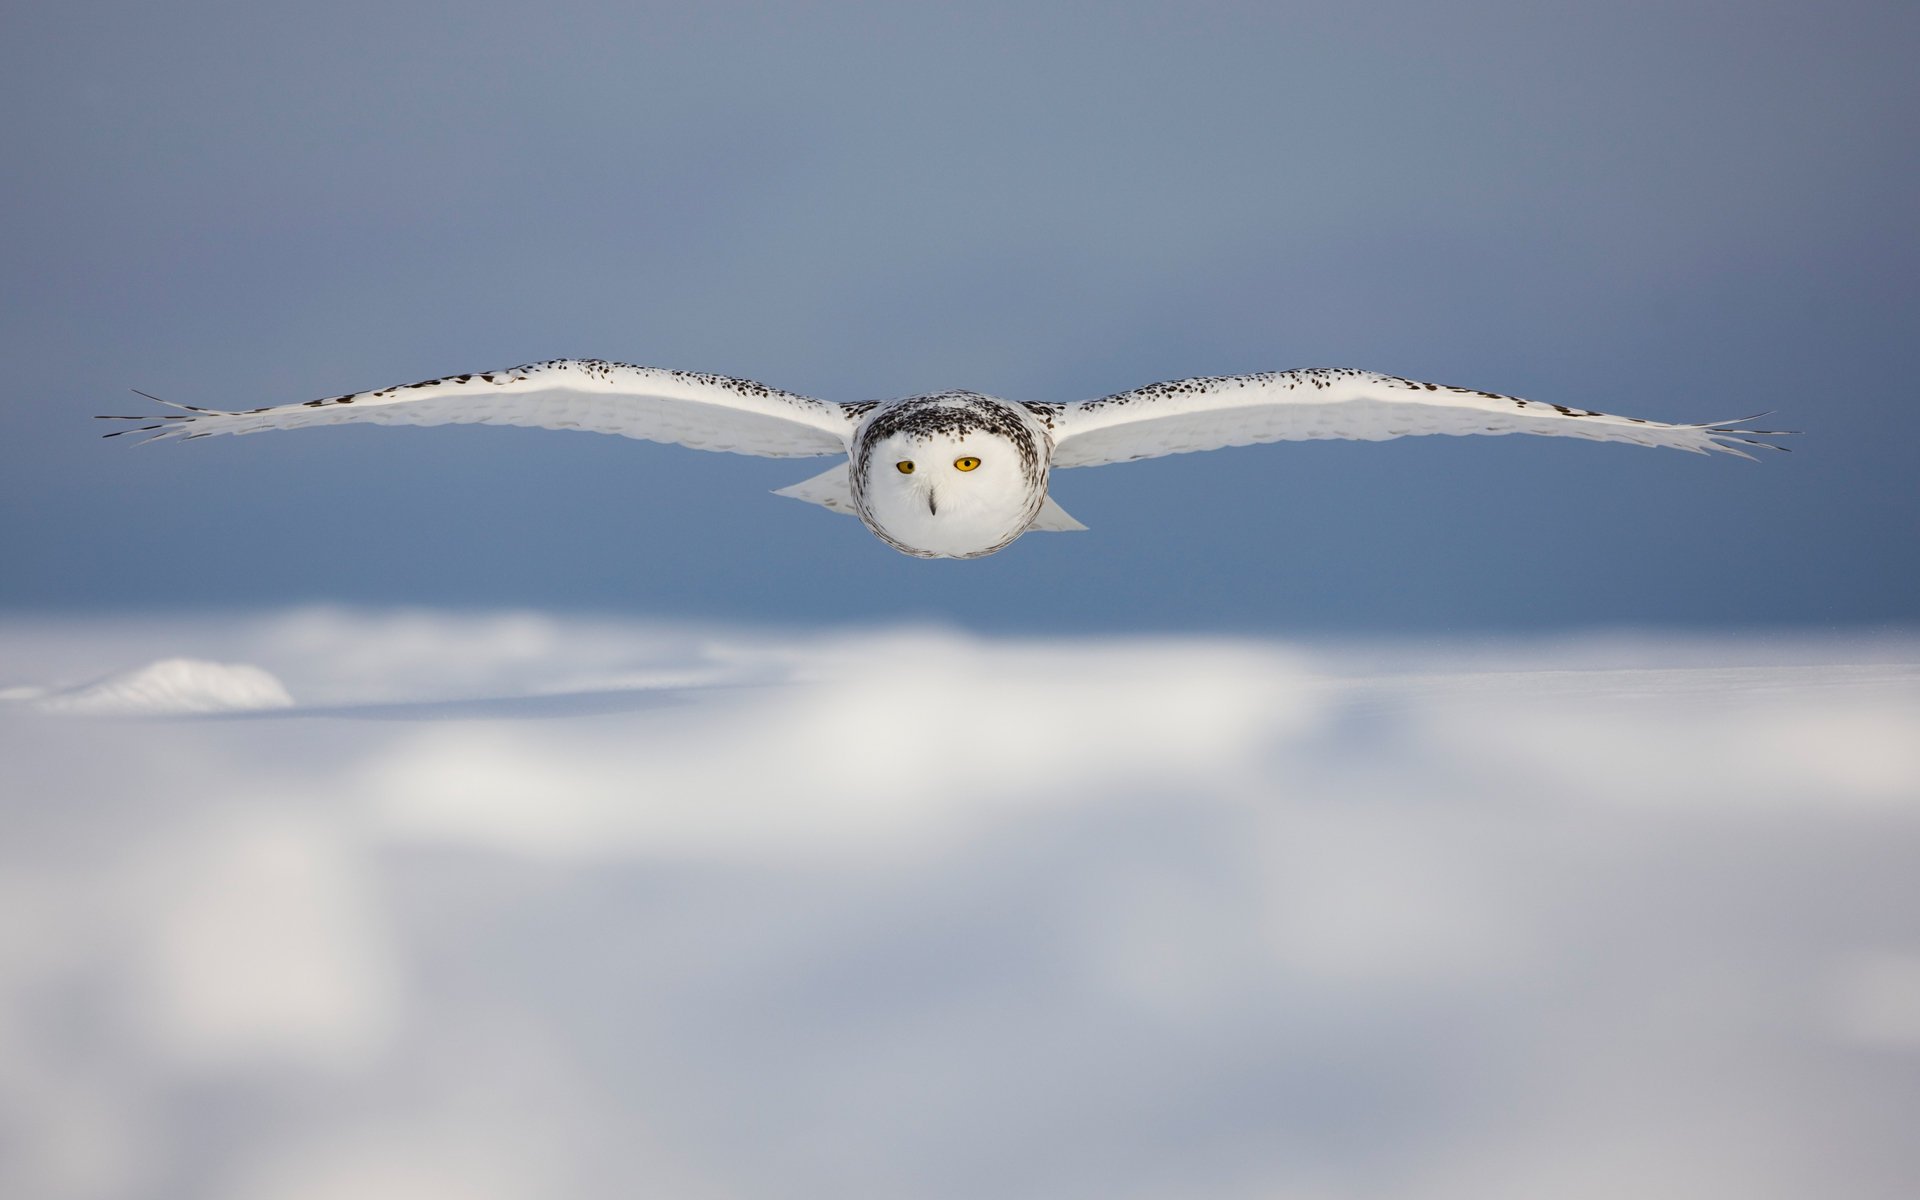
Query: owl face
(949, 480)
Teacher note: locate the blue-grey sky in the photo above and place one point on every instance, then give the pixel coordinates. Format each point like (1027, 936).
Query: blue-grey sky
(1684, 211)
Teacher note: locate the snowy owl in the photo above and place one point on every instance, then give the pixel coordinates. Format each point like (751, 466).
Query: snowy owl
(949, 474)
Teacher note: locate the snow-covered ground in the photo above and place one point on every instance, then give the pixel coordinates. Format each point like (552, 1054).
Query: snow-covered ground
(325, 904)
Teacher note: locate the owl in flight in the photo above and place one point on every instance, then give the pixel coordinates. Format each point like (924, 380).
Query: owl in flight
(950, 474)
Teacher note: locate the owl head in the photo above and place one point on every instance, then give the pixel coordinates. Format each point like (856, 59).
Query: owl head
(954, 475)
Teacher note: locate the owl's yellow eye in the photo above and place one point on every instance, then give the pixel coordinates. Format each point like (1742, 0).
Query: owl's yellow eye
(904, 466)
(966, 464)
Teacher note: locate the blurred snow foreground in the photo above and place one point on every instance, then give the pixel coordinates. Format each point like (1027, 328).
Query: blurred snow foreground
(443, 906)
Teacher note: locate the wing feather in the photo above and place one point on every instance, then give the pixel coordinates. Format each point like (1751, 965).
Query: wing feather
(706, 412)
(1239, 410)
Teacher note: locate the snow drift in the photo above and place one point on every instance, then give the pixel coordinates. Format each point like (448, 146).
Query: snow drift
(172, 685)
(510, 906)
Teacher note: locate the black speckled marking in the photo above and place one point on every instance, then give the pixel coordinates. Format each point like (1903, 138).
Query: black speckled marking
(1048, 413)
(953, 414)
(1317, 378)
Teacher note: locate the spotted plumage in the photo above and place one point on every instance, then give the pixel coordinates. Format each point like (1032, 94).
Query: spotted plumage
(949, 474)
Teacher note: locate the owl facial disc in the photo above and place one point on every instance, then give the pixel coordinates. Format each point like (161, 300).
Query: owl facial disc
(953, 475)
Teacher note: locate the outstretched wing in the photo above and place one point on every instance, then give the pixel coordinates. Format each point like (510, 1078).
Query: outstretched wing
(1240, 410)
(707, 412)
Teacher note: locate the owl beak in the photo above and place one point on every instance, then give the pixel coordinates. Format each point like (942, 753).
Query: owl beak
(933, 505)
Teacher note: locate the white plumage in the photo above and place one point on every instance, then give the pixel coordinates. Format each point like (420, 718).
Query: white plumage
(1296, 406)
(907, 474)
